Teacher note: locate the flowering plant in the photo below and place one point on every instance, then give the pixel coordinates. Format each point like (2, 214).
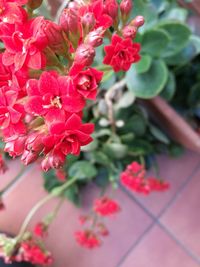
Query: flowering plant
(52, 109)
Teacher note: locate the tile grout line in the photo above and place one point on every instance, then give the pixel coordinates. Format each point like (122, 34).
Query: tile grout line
(178, 242)
(18, 179)
(156, 219)
(121, 261)
(180, 190)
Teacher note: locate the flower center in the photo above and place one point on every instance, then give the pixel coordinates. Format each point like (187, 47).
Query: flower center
(84, 83)
(56, 102)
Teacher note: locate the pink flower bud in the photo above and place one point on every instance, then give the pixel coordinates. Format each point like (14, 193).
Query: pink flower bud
(29, 157)
(34, 142)
(111, 8)
(54, 36)
(126, 7)
(138, 21)
(95, 38)
(69, 21)
(84, 55)
(88, 22)
(129, 32)
(15, 145)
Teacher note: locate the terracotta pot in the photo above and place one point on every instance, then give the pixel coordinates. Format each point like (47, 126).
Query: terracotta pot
(194, 5)
(172, 123)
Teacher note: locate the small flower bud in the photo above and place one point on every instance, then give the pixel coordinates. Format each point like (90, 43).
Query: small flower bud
(15, 145)
(88, 22)
(137, 21)
(126, 7)
(29, 157)
(54, 36)
(34, 4)
(95, 38)
(84, 55)
(34, 142)
(69, 21)
(111, 8)
(129, 32)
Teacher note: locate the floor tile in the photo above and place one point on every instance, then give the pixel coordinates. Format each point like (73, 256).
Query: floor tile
(125, 228)
(183, 218)
(14, 167)
(158, 249)
(176, 172)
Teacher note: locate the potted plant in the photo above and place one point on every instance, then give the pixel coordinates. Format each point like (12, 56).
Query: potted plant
(69, 99)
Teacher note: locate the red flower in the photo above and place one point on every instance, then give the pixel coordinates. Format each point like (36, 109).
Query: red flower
(24, 44)
(105, 206)
(134, 179)
(121, 53)
(87, 239)
(52, 96)
(40, 229)
(65, 138)
(31, 252)
(11, 11)
(61, 175)
(158, 185)
(97, 9)
(11, 113)
(86, 81)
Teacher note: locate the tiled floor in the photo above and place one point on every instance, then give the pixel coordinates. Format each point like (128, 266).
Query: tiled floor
(162, 230)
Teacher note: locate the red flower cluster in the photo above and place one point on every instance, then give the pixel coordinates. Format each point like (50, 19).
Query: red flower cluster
(134, 179)
(91, 237)
(41, 110)
(105, 206)
(27, 250)
(41, 100)
(87, 239)
(32, 252)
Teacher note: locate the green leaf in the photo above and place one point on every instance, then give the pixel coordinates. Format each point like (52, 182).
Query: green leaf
(147, 10)
(179, 36)
(144, 64)
(91, 146)
(102, 178)
(170, 87)
(100, 158)
(50, 180)
(159, 135)
(141, 147)
(155, 41)
(186, 54)
(195, 41)
(149, 84)
(178, 13)
(137, 125)
(82, 170)
(126, 100)
(115, 150)
(73, 194)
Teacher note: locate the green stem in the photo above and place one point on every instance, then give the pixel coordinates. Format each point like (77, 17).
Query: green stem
(103, 67)
(55, 192)
(13, 181)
